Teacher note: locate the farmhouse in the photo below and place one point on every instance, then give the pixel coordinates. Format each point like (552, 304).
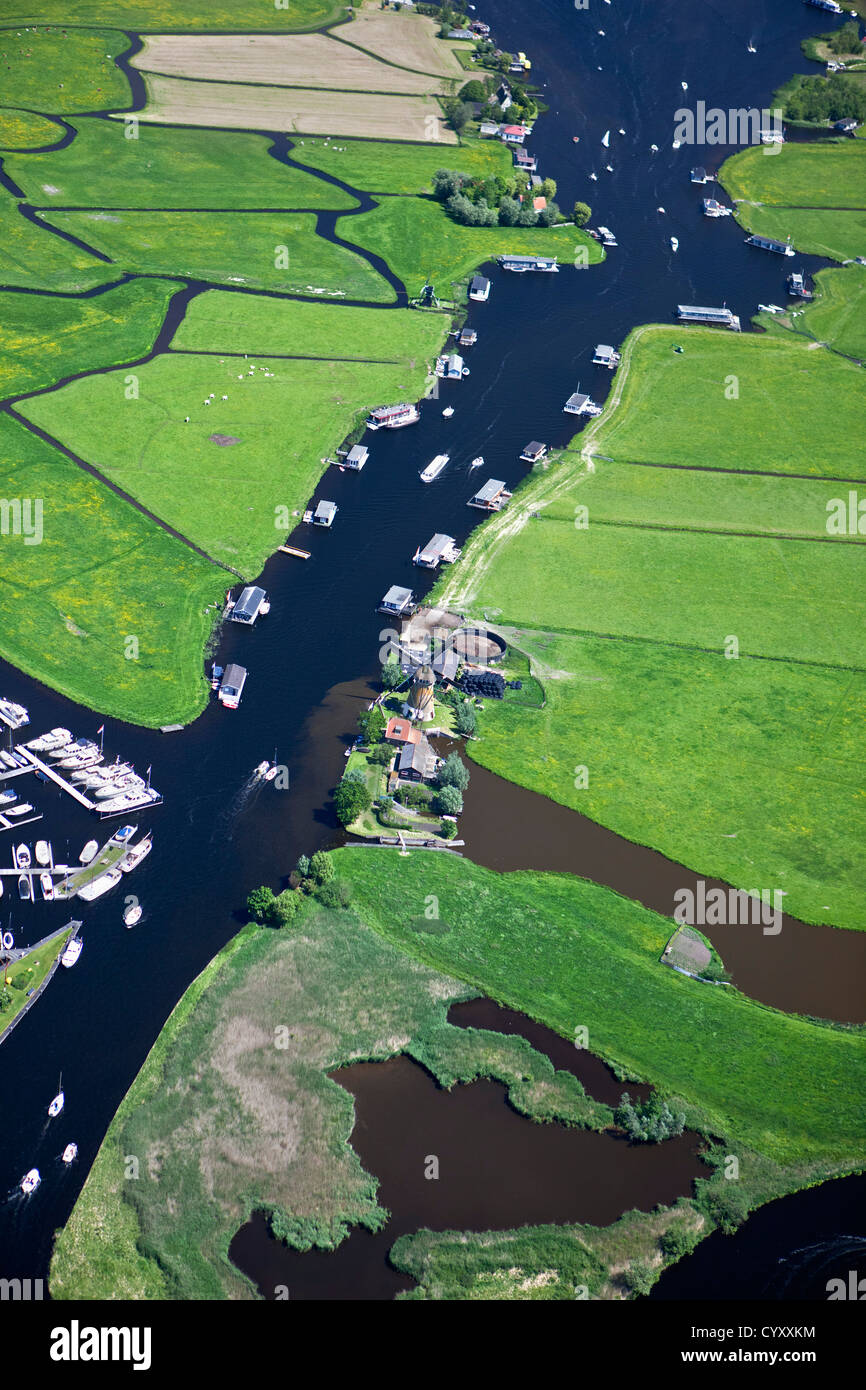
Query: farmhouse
(416, 762)
(400, 731)
(513, 134)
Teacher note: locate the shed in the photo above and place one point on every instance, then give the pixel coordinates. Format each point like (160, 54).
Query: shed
(488, 128)
(325, 513)
(445, 664)
(247, 608)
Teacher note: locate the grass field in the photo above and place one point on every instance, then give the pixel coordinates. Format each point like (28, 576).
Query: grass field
(173, 101)
(818, 175)
(101, 574)
(43, 338)
(244, 248)
(23, 130)
(284, 424)
(236, 1122)
(31, 256)
(61, 71)
(178, 14)
(838, 314)
(167, 169)
(28, 974)
(416, 237)
(569, 953)
(382, 167)
(217, 321)
(286, 60)
(841, 236)
(797, 410)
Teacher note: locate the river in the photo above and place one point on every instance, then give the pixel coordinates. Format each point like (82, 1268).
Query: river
(214, 839)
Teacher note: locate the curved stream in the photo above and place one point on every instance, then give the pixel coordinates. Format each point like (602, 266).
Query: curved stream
(217, 835)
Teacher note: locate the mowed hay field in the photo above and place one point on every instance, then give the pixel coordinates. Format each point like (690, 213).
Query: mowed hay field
(284, 424)
(409, 40)
(285, 60)
(101, 573)
(241, 248)
(173, 101)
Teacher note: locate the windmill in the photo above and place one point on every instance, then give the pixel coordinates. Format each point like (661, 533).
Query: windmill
(427, 298)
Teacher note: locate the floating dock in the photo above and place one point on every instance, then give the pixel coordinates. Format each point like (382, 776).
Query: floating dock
(294, 550)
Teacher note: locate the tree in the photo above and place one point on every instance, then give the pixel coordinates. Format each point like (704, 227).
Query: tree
(448, 801)
(448, 830)
(465, 718)
(509, 211)
(639, 1277)
(454, 773)
(322, 867)
(473, 91)
(381, 755)
(446, 182)
(336, 893)
(458, 115)
(260, 903)
(581, 214)
(549, 215)
(846, 39)
(351, 800)
(392, 673)
(527, 216)
(303, 866)
(649, 1121)
(547, 189)
(356, 774)
(371, 722)
(284, 908)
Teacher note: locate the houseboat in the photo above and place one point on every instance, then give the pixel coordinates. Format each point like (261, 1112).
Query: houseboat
(699, 175)
(250, 604)
(796, 284)
(397, 602)
(767, 243)
(534, 452)
(450, 366)
(696, 313)
(231, 686)
(13, 715)
(607, 236)
(479, 289)
(356, 458)
(713, 208)
(523, 263)
(324, 514)
(606, 356)
(434, 468)
(830, 5)
(580, 404)
(467, 337)
(393, 417)
(439, 549)
(492, 497)
(525, 161)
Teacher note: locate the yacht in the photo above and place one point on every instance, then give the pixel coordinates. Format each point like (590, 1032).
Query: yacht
(448, 412)
(136, 853)
(46, 883)
(70, 1153)
(88, 853)
(434, 468)
(72, 952)
(125, 833)
(43, 852)
(6, 798)
(262, 769)
(102, 884)
(7, 759)
(22, 857)
(30, 1181)
(132, 915)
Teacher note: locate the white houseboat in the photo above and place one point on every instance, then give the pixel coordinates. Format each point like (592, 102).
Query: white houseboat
(492, 497)
(534, 452)
(393, 417)
(479, 288)
(251, 603)
(697, 313)
(523, 263)
(231, 686)
(606, 356)
(440, 549)
(579, 403)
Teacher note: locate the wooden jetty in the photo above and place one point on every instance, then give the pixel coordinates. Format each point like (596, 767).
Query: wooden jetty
(294, 550)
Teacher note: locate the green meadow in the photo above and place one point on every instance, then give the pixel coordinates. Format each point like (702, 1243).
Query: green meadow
(21, 130)
(796, 410)
(157, 16)
(217, 321)
(571, 953)
(417, 238)
(839, 235)
(837, 315)
(167, 168)
(63, 70)
(380, 166)
(794, 175)
(281, 426)
(43, 338)
(101, 575)
(272, 251)
(32, 257)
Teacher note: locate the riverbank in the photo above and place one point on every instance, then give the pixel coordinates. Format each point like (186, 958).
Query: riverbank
(27, 978)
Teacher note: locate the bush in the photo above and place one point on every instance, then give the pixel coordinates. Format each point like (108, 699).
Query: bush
(581, 214)
(448, 830)
(413, 795)
(639, 1278)
(448, 801)
(466, 718)
(454, 773)
(473, 91)
(336, 893)
(678, 1241)
(356, 775)
(303, 865)
(392, 674)
(549, 215)
(371, 724)
(260, 903)
(322, 867)
(649, 1121)
(284, 908)
(509, 211)
(381, 755)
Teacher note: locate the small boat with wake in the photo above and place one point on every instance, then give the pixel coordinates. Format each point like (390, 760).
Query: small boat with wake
(477, 462)
(59, 1100)
(674, 244)
(132, 915)
(30, 1181)
(70, 1153)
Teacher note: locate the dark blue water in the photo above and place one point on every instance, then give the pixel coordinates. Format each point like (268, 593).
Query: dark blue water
(213, 842)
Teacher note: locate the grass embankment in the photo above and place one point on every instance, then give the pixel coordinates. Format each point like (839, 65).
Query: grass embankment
(188, 15)
(813, 193)
(260, 250)
(740, 768)
(417, 238)
(63, 70)
(284, 424)
(837, 315)
(167, 169)
(24, 130)
(233, 1109)
(101, 575)
(33, 257)
(217, 321)
(43, 339)
(571, 953)
(28, 974)
(382, 167)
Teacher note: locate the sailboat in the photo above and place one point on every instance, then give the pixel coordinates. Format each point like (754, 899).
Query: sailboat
(272, 770)
(58, 1102)
(674, 244)
(750, 47)
(605, 139)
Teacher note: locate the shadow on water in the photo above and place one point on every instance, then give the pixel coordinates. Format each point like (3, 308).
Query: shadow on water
(497, 1170)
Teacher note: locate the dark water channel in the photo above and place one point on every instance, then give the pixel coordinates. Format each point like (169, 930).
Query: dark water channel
(216, 837)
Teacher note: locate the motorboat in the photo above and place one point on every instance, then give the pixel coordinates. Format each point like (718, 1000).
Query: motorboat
(135, 854)
(30, 1181)
(70, 1153)
(434, 468)
(46, 883)
(86, 758)
(654, 148)
(6, 798)
(575, 139)
(24, 888)
(594, 178)
(132, 915)
(685, 86)
(13, 715)
(43, 852)
(124, 833)
(477, 462)
(216, 675)
(102, 884)
(272, 771)
(674, 244)
(22, 857)
(750, 47)
(448, 412)
(262, 768)
(676, 145)
(72, 952)
(7, 759)
(659, 209)
(609, 168)
(88, 853)
(21, 810)
(58, 1102)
